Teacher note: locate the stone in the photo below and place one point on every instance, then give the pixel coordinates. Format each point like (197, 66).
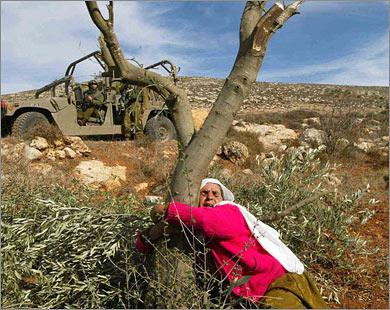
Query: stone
(32, 153)
(60, 154)
(385, 139)
(226, 173)
(112, 184)
(141, 186)
(119, 172)
(282, 148)
(341, 144)
(270, 136)
(39, 143)
(247, 172)
(78, 145)
(58, 143)
(95, 172)
(50, 154)
(236, 152)
(154, 200)
(321, 148)
(364, 146)
(313, 137)
(312, 121)
(69, 152)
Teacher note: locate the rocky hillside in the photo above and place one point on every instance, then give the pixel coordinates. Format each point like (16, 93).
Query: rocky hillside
(203, 91)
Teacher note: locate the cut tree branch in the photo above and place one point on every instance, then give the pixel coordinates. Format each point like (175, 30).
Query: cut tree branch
(277, 216)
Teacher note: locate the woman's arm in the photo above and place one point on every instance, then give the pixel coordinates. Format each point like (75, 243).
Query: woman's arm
(223, 222)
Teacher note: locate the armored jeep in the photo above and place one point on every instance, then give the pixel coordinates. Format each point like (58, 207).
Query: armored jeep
(60, 109)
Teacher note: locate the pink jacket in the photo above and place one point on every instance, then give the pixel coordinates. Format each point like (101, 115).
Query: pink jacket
(235, 251)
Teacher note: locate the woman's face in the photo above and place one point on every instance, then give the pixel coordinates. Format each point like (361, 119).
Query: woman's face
(210, 195)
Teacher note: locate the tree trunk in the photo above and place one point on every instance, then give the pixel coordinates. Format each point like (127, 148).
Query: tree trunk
(196, 150)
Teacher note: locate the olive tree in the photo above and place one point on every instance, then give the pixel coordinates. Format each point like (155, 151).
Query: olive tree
(198, 148)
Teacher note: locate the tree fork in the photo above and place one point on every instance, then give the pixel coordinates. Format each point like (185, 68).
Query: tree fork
(179, 106)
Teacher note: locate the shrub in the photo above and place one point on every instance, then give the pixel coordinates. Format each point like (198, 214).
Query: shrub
(68, 249)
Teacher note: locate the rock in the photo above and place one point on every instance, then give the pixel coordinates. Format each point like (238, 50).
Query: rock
(282, 148)
(313, 137)
(273, 136)
(32, 153)
(385, 139)
(111, 184)
(270, 136)
(141, 186)
(50, 154)
(78, 145)
(236, 152)
(154, 200)
(364, 146)
(40, 168)
(321, 148)
(95, 172)
(247, 172)
(341, 144)
(226, 173)
(60, 154)
(119, 172)
(312, 121)
(39, 143)
(69, 152)
(58, 143)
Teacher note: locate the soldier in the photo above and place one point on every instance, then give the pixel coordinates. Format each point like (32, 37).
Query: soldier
(132, 99)
(93, 100)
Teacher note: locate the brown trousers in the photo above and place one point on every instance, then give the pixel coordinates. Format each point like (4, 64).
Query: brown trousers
(293, 291)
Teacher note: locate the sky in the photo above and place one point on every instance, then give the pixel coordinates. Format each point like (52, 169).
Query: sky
(330, 42)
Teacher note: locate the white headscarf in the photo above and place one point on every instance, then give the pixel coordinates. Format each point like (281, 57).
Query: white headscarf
(265, 235)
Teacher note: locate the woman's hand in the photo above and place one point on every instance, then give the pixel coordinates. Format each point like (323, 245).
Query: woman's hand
(157, 213)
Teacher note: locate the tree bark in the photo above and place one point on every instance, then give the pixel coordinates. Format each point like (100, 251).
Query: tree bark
(196, 150)
(255, 31)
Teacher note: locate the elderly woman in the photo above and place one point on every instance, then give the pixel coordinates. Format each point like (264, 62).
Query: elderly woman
(241, 246)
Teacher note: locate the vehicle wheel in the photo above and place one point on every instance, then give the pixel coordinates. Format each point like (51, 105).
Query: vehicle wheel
(160, 128)
(30, 124)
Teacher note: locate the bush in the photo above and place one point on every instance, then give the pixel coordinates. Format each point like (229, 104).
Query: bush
(68, 249)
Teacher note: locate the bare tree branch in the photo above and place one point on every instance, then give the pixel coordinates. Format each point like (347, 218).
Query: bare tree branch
(178, 100)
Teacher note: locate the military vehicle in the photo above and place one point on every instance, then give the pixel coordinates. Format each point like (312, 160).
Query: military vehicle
(60, 108)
